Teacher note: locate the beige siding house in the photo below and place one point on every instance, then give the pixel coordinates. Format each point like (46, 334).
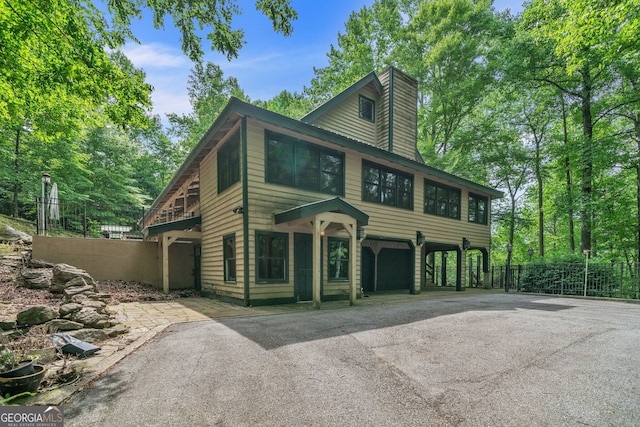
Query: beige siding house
(326, 207)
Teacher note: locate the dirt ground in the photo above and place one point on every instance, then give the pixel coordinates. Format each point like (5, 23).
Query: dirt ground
(15, 298)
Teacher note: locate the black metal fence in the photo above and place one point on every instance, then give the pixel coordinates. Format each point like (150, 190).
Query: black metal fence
(57, 217)
(595, 279)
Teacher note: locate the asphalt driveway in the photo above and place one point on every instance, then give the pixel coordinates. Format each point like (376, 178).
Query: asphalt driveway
(481, 360)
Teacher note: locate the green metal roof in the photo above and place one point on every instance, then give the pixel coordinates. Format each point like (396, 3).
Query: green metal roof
(180, 224)
(330, 205)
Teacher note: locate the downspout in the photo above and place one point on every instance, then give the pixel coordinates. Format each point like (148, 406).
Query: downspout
(245, 206)
(391, 110)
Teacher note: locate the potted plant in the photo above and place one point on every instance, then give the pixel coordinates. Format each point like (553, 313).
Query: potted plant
(12, 366)
(18, 372)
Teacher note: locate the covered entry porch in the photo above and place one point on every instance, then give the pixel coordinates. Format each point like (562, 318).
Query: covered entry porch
(326, 218)
(183, 231)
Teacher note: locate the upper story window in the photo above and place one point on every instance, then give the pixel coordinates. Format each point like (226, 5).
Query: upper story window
(229, 163)
(367, 109)
(300, 164)
(386, 186)
(478, 208)
(441, 200)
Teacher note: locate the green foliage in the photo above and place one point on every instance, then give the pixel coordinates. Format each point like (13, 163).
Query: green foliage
(568, 278)
(209, 92)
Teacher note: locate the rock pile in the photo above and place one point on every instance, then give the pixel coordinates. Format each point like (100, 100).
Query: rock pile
(84, 313)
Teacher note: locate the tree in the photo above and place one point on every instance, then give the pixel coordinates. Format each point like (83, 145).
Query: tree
(369, 43)
(575, 43)
(209, 92)
(189, 18)
(449, 51)
(294, 105)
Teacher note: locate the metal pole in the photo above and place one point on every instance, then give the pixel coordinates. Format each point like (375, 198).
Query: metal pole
(586, 270)
(508, 273)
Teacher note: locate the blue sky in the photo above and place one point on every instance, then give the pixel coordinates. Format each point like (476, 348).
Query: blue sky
(266, 65)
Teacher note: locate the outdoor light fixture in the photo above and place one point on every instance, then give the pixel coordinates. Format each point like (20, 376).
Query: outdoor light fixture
(419, 238)
(238, 210)
(530, 253)
(359, 233)
(466, 244)
(46, 178)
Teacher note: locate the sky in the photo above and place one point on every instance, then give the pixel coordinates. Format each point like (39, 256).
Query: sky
(266, 65)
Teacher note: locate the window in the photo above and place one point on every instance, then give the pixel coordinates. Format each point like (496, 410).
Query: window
(303, 165)
(367, 109)
(229, 163)
(478, 208)
(271, 262)
(441, 200)
(386, 186)
(229, 250)
(338, 259)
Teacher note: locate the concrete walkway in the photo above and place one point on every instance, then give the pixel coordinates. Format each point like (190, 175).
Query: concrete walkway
(146, 319)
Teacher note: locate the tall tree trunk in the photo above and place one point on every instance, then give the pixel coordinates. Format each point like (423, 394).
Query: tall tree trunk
(16, 170)
(567, 165)
(637, 129)
(587, 162)
(540, 199)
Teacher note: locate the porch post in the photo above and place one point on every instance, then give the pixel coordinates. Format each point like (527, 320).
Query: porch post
(165, 263)
(352, 262)
(317, 228)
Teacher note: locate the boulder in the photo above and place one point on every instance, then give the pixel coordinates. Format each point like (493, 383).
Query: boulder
(98, 305)
(91, 318)
(56, 325)
(64, 273)
(100, 297)
(89, 335)
(10, 234)
(36, 279)
(79, 298)
(38, 263)
(75, 290)
(117, 330)
(69, 308)
(7, 325)
(36, 315)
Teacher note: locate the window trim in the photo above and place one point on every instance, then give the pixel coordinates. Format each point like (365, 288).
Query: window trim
(330, 277)
(298, 143)
(440, 186)
(223, 163)
(225, 258)
(285, 237)
(486, 208)
(398, 174)
(363, 99)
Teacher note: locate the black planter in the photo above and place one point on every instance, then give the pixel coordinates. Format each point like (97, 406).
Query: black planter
(25, 367)
(26, 383)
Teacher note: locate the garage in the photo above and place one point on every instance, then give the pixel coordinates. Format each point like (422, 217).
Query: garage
(387, 265)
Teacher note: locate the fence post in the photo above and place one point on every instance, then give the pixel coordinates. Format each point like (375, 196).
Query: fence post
(586, 270)
(621, 278)
(84, 220)
(562, 279)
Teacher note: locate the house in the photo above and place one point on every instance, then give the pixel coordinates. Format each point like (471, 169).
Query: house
(339, 202)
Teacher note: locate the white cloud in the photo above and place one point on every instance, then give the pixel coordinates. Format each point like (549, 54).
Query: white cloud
(155, 55)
